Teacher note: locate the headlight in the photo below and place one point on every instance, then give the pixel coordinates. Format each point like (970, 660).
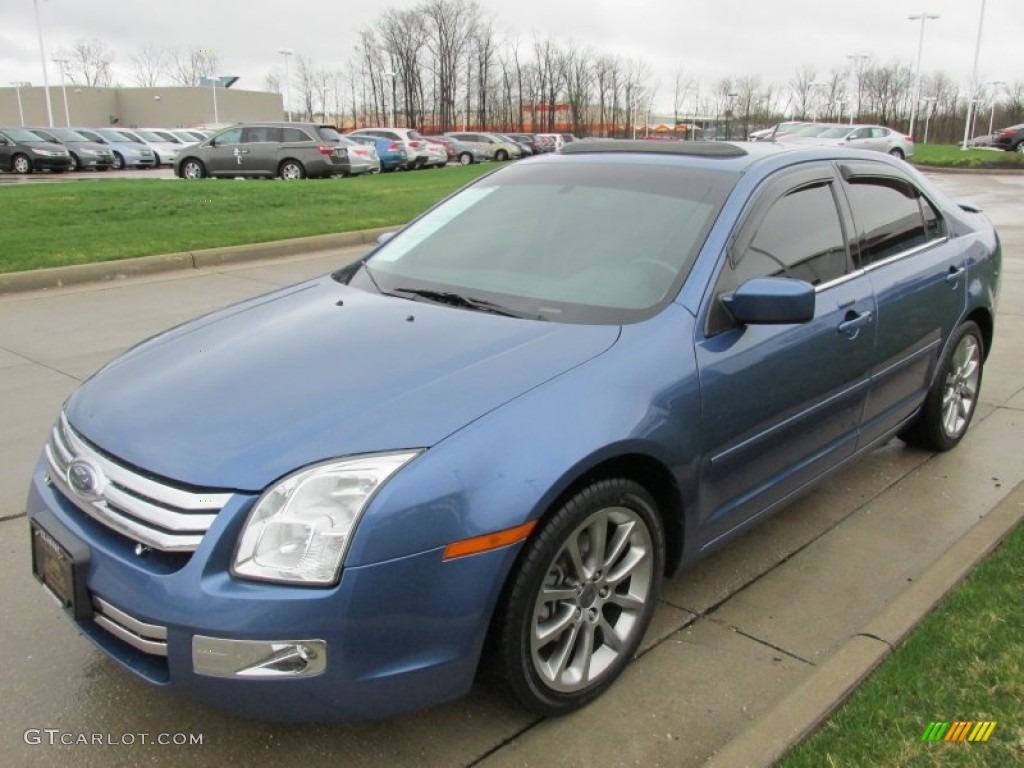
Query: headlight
(300, 529)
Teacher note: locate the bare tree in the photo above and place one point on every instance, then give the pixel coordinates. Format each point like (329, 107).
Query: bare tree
(681, 86)
(448, 25)
(403, 39)
(149, 65)
(88, 63)
(310, 87)
(189, 66)
(801, 85)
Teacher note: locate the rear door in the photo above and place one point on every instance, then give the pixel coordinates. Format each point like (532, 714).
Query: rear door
(919, 277)
(781, 404)
(260, 150)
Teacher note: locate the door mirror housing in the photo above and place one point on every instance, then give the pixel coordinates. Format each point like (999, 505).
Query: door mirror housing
(771, 301)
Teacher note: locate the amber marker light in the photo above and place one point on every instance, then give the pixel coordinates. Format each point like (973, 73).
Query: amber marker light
(488, 541)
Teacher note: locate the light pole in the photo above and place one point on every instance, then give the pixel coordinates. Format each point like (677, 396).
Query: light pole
(923, 17)
(63, 86)
(18, 85)
(974, 76)
(42, 60)
(392, 76)
(287, 53)
(992, 113)
(857, 59)
(928, 101)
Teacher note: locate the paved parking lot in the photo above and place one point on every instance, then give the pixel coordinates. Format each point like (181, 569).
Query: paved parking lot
(732, 637)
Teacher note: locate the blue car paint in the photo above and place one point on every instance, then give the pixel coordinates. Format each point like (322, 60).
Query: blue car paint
(268, 389)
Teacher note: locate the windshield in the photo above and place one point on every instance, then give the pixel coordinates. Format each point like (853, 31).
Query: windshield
(811, 130)
(22, 136)
(64, 134)
(573, 242)
(150, 136)
(114, 137)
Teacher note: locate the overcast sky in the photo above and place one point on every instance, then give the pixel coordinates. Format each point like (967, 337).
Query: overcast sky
(708, 40)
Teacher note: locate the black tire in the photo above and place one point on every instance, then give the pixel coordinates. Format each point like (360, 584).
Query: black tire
(291, 170)
(21, 164)
(896, 152)
(193, 169)
(558, 652)
(953, 396)
(465, 158)
(501, 155)
(75, 165)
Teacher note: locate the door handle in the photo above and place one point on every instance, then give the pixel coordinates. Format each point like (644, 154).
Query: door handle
(854, 322)
(954, 275)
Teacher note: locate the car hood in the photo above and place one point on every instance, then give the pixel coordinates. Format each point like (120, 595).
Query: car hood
(241, 397)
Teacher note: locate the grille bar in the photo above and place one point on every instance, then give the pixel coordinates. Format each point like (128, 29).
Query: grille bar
(159, 515)
(148, 638)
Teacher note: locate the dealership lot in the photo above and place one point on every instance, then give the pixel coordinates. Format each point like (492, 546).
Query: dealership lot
(732, 636)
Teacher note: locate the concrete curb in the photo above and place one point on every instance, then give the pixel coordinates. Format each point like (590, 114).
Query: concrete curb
(968, 171)
(789, 722)
(59, 277)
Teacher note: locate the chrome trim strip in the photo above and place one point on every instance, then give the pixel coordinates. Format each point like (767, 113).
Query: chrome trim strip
(147, 511)
(906, 254)
(148, 638)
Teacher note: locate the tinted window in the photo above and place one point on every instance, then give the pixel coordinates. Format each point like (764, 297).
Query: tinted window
(799, 237)
(293, 134)
(259, 133)
(888, 215)
(327, 133)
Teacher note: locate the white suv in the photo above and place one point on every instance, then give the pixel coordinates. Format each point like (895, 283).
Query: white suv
(415, 145)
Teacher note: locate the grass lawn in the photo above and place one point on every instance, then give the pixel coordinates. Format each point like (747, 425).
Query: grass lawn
(964, 662)
(58, 223)
(951, 156)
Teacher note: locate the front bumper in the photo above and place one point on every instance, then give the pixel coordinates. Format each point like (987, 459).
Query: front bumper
(398, 636)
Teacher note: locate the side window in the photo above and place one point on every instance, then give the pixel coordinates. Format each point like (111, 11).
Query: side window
(800, 237)
(291, 135)
(261, 133)
(889, 217)
(879, 133)
(233, 136)
(861, 133)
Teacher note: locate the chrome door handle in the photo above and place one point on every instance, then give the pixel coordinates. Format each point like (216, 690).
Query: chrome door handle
(954, 275)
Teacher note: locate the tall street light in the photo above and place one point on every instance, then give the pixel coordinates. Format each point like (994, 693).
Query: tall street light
(42, 60)
(63, 86)
(391, 75)
(974, 77)
(923, 17)
(992, 113)
(18, 85)
(287, 53)
(858, 60)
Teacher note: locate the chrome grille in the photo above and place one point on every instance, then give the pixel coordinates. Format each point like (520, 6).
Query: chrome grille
(150, 512)
(148, 638)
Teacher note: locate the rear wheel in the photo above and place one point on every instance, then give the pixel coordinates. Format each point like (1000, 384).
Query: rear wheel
(575, 611)
(465, 158)
(193, 169)
(896, 152)
(1020, 146)
(501, 154)
(21, 164)
(291, 170)
(953, 397)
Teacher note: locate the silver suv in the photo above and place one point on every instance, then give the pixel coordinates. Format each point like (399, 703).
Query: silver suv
(288, 150)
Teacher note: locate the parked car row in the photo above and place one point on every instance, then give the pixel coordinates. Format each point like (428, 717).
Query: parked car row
(26, 150)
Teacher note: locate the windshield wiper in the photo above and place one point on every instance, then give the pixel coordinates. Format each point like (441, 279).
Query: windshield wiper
(453, 299)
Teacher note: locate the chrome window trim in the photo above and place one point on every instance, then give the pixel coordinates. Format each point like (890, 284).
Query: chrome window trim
(907, 253)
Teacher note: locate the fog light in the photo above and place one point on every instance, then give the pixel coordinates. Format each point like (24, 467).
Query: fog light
(222, 657)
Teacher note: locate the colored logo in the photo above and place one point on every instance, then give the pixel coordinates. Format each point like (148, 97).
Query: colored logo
(961, 730)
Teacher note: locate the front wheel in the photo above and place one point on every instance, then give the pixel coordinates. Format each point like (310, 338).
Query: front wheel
(953, 397)
(21, 164)
(74, 163)
(575, 611)
(193, 169)
(118, 162)
(292, 170)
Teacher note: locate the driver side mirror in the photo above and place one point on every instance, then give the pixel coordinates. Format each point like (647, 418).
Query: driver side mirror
(771, 301)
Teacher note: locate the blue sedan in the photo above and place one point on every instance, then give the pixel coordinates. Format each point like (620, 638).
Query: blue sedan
(391, 153)
(319, 504)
